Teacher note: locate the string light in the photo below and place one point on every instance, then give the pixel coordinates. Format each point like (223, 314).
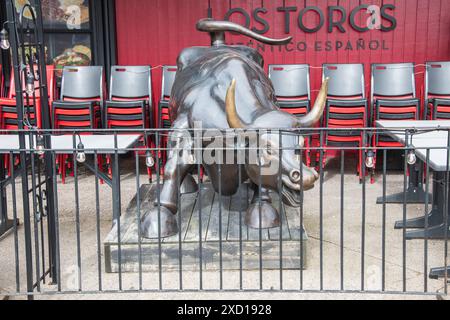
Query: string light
(81, 155)
(411, 158)
(40, 145)
(29, 84)
(370, 159)
(149, 160)
(4, 39)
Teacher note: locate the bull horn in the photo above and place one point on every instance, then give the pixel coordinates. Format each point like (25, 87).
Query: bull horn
(316, 113)
(230, 107)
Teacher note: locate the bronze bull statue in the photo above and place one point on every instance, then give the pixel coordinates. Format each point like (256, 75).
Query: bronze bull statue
(225, 87)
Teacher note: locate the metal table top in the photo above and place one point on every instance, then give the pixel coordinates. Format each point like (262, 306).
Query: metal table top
(64, 144)
(422, 141)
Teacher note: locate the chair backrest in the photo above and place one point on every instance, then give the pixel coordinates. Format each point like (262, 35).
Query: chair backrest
(290, 80)
(51, 84)
(130, 82)
(437, 79)
(82, 83)
(2, 82)
(346, 80)
(168, 78)
(393, 80)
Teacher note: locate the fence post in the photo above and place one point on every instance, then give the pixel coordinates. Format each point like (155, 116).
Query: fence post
(23, 155)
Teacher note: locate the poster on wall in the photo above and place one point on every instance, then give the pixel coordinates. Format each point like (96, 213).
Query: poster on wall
(67, 29)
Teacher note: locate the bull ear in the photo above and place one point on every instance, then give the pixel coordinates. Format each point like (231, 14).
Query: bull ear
(316, 113)
(230, 106)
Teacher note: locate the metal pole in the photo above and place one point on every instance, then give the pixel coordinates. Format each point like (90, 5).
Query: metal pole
(46, 124)
(23, 155)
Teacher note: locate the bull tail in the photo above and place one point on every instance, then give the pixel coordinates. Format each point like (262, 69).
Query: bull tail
(217, 29)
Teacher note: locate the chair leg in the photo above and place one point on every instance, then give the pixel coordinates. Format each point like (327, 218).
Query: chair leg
(320, 165)
(324, 159)
(202, 173)
(108, 164)
(308, 153)
(58, 164)
(360, 166)
(164, 156)
(7, 166)
(71, 167)
(100, 166)
(63, 169)
(372, 175)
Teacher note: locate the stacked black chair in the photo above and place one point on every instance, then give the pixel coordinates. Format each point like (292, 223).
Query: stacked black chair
(81, 99)
(80, 105)
(168, 78)
(346, 107)
(293, 92)
(164, 120)
(437, 90)
(130, 98)
(130, 101)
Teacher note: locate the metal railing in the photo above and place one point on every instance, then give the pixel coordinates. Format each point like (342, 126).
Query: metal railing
(337, 239)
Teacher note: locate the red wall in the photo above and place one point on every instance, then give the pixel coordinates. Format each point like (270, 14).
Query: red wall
(155, 31)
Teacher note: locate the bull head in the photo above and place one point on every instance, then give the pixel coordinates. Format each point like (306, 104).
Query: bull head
(282, 157)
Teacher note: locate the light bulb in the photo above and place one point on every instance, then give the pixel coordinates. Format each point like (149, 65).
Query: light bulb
(149, 161)
(370, 160)
(411, 157)
(40, 145)
(4, 40)
(29, 88)
(81, 156)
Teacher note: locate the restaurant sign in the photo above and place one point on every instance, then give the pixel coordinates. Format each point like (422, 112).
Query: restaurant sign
(312, 19)
(333, 19)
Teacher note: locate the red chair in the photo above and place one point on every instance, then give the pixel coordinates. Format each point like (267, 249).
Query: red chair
(8, 105)
(437, 91)
(130, 101)
(346, 107)
(164, 121)
(168, 78)
(80, 105)
(293, 92)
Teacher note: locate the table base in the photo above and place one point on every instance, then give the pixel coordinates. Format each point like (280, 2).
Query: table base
(7, 228)
(434, 219)
(433, 233)
(414, 195)
(438, 273)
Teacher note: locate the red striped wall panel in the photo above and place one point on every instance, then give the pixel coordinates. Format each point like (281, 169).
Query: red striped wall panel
(155, 31)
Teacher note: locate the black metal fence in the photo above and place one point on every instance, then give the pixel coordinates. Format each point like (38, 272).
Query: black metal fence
(85, 236)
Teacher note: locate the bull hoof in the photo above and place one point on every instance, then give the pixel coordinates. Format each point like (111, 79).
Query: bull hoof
(149, 224)
(269, 216)
(189, 185)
